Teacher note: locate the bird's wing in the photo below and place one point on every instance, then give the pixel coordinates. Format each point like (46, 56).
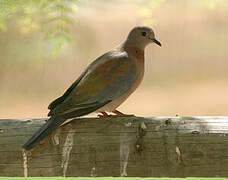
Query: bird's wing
(107, 78)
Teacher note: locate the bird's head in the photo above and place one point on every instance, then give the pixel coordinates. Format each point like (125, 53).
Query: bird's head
(142, 36)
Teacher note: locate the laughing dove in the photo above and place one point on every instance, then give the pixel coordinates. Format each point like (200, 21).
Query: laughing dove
(103, 86)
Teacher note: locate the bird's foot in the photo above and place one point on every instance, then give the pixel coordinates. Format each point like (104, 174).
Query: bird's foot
(117, 114)
(120, 114)
(103, 115)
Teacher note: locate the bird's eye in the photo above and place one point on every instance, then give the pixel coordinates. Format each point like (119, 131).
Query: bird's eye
(143, 33)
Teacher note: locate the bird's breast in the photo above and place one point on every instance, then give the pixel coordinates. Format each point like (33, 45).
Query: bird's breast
(139, 64)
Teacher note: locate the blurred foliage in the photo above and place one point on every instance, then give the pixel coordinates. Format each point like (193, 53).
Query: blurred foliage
(147, 13)
(148, 10)
(212, 4)
(54, 17)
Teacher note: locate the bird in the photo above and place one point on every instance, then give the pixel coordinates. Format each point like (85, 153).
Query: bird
(105, 84)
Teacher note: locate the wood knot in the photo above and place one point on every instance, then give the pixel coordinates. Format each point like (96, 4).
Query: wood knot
(195, 132)
(139, 138)
(168, 121)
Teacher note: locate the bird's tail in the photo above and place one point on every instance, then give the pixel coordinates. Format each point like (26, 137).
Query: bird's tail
(43, 132)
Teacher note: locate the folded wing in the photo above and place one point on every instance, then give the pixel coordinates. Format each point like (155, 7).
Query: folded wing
(106, 79)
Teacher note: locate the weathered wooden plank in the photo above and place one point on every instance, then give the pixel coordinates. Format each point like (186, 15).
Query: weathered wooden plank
(131, 146)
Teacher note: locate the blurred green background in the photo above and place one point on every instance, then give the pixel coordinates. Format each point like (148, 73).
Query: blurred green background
(45, 45)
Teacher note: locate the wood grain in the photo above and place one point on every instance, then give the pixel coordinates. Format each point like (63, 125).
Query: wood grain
(130, 146)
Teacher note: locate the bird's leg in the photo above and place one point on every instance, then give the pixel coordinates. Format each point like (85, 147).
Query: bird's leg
(118, 113)
(103, 114)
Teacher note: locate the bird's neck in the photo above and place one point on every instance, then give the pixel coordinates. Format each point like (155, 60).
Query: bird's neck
(136, 54)
(133, 50)
(135, 42)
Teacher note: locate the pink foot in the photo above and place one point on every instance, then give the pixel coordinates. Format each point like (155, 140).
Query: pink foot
(103, 115)
(118, 113)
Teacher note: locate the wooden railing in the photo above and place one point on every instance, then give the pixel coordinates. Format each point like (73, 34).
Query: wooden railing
(130, 146)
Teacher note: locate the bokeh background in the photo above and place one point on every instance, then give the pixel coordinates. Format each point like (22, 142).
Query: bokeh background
(187, 76)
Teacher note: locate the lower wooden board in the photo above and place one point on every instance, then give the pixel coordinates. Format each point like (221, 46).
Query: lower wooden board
(105, 178)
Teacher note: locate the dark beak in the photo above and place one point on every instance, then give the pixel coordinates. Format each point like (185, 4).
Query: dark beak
(156, 42)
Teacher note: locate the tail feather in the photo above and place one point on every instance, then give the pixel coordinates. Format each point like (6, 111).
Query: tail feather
(43, 132)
